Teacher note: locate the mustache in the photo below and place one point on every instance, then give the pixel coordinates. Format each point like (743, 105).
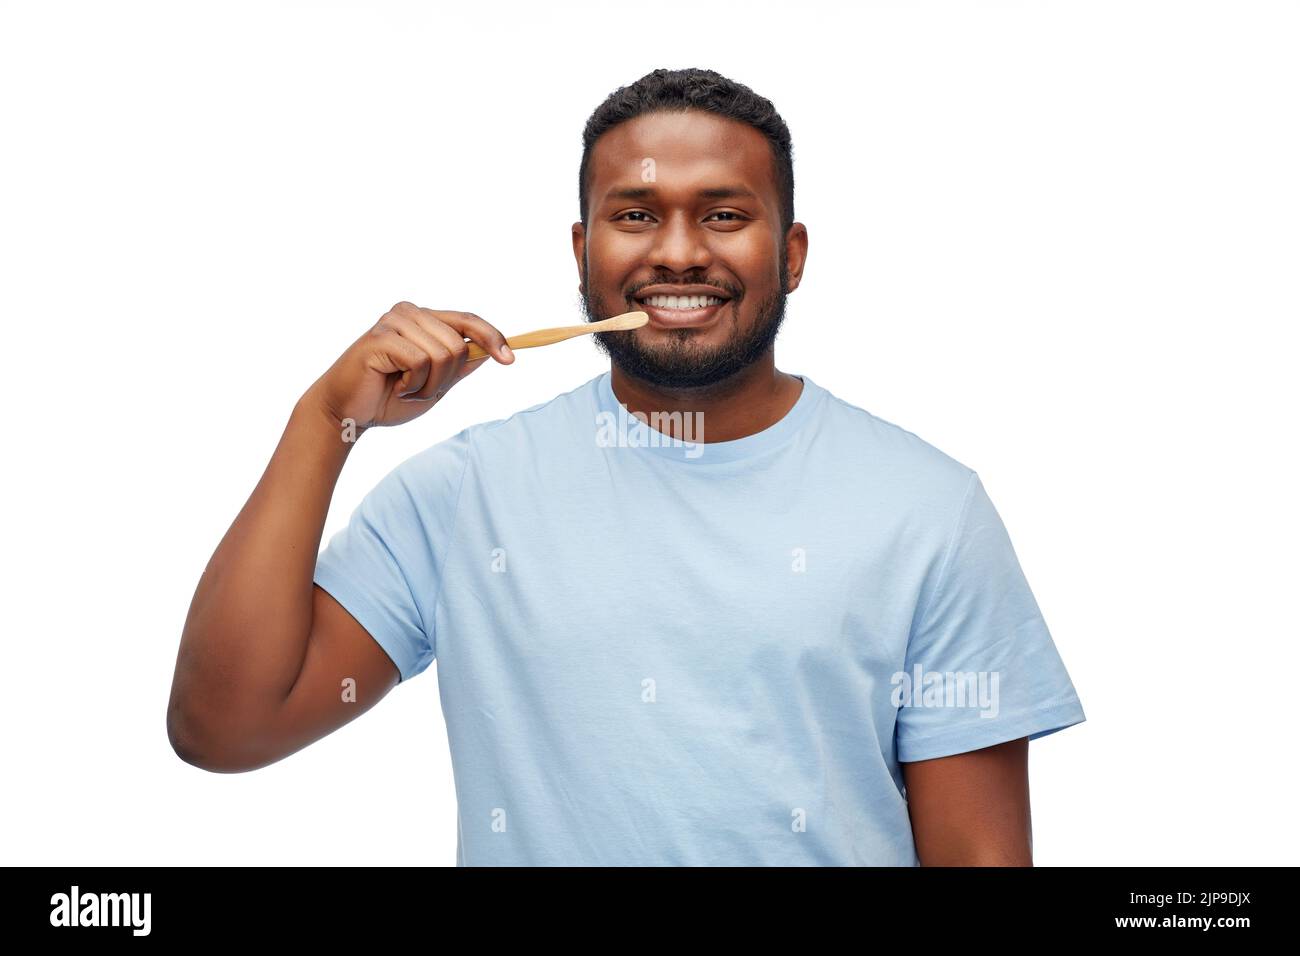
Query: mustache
(728, 290)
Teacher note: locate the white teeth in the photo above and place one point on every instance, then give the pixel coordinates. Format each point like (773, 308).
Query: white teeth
(682, 301)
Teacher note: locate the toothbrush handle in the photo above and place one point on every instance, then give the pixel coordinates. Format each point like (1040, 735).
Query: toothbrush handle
(529, 340)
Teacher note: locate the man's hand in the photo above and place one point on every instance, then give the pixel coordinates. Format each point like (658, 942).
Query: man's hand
(401, 367)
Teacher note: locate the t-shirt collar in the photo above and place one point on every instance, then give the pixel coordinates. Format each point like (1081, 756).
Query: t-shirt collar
(618, 427)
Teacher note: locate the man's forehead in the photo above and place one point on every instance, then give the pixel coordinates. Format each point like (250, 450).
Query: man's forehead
(690, 153)
(633, 193)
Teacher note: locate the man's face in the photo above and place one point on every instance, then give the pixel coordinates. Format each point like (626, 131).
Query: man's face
(685, 203)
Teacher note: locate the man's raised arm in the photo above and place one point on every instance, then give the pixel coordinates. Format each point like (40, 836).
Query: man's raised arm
(263, 648)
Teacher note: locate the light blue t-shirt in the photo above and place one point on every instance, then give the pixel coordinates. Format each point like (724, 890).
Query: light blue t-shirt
(659, 652)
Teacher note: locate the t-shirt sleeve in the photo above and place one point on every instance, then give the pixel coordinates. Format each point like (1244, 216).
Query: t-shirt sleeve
(384, 567)
(981, 665)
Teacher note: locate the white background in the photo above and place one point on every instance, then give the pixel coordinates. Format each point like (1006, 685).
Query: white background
(1056, 240)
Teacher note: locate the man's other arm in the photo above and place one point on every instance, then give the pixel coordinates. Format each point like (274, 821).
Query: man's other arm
(972, 809)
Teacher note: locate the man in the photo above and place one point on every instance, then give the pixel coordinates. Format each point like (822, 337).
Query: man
(696, 611)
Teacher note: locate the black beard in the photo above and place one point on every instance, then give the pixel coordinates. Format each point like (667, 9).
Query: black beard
(682, 364)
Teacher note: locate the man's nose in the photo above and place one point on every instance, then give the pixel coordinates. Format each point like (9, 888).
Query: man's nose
(681, 246)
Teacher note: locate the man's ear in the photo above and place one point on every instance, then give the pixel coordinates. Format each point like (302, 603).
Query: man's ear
(579, 250)
(796, 253)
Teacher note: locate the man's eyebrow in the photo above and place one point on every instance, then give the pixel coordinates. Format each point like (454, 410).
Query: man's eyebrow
(715, 192)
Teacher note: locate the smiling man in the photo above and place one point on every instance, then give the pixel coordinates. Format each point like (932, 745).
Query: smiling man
(800, 638)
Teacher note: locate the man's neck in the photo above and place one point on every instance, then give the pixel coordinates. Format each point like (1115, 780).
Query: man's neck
(750, 401)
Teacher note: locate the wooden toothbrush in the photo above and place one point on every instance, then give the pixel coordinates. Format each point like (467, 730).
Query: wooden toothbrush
(529, 340)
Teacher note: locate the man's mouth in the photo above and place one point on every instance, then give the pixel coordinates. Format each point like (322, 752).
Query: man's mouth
(681, 311)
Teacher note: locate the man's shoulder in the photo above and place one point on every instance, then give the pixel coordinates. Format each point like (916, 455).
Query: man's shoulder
(897, 466)
(540, 425)
(889, 437)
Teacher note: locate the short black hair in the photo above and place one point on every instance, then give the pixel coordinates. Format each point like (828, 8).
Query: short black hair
(678, 91)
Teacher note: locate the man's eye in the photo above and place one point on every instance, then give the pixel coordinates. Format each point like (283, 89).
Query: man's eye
(635, 212)
(736, 217)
